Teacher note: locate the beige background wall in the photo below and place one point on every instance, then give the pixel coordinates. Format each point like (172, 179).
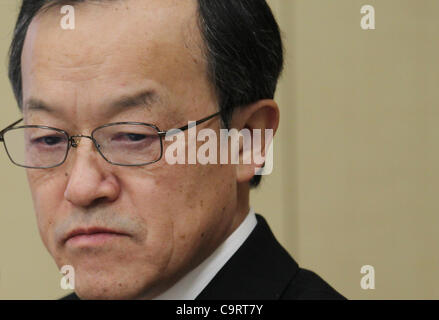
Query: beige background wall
(356, 159)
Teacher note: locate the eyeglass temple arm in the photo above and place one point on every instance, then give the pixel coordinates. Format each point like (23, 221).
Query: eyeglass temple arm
(8, 127)
(184, 128)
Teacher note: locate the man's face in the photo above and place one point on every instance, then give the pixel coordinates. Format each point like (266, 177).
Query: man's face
(168, 217)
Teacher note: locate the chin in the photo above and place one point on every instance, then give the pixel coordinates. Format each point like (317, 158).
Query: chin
(106, 290)
(113, 284)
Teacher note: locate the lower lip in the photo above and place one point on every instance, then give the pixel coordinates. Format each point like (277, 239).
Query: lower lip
(94, 239)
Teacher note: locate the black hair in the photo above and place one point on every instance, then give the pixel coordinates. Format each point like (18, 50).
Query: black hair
(243, 48)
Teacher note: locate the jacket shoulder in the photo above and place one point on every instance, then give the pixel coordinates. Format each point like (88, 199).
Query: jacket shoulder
(261, 269)
(71, 296)
(307, 285)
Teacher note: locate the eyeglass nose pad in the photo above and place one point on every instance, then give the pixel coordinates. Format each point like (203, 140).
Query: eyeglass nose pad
(75, 142)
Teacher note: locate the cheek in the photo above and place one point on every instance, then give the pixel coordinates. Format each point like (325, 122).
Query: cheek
(192, 197)
(182, 189)
(47, 194)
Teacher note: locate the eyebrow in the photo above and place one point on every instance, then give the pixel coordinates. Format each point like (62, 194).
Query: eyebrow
(143, 98)
(38, 105)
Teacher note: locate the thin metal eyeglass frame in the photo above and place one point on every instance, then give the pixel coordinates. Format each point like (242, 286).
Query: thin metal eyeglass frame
(73, 144)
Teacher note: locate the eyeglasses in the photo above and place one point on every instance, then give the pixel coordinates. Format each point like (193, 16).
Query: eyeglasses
(128, 144)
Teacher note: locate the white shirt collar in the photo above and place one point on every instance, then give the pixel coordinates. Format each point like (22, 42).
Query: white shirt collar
(193, 283)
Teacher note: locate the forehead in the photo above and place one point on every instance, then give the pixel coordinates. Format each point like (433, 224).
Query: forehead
(110, 27)
(114, 43)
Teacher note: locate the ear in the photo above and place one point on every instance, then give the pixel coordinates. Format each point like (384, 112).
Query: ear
(260, 119)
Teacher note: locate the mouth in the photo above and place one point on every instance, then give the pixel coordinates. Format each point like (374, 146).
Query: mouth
(94, 236)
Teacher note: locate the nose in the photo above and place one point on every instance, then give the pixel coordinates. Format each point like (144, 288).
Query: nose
(91, 179)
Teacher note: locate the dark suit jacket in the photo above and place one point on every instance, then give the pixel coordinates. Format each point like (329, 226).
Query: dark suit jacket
(263, 269)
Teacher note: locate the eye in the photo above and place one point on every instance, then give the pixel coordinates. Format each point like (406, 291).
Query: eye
(48, 140)
(136, 137)
(129, 137)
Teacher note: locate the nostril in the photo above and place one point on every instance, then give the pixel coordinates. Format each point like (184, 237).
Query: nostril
(98, 201)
